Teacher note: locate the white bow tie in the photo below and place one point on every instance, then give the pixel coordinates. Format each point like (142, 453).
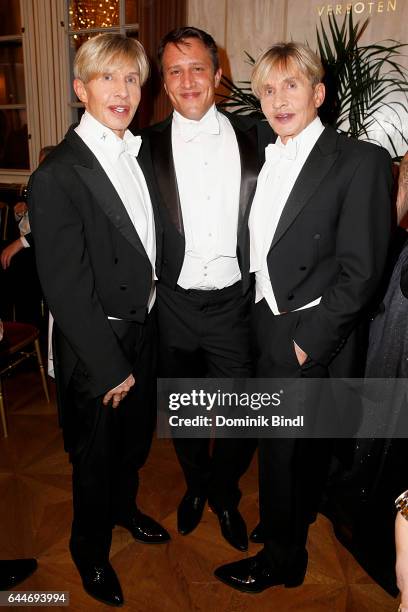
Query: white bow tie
(274, 152)
(190, 129)
(131, 146)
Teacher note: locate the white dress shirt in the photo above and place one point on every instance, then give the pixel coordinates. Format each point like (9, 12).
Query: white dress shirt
(282, 166)
(118, 159)
(208, 171)
(24, 228)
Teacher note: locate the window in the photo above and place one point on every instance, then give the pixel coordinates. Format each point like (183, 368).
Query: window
(13, 112)
(38, 41)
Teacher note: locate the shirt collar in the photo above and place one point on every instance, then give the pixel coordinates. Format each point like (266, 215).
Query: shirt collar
(307, 136)
(210, 114)
(103, 137)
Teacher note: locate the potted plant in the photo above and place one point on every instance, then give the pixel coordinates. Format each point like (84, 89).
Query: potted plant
(366, 85)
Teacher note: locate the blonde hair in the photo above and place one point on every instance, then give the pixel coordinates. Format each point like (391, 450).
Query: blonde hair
(106, 50)
(282, 55)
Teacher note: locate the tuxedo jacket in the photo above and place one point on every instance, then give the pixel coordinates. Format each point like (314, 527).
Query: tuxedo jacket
(91, 262)
(332, 240)
(156, 160)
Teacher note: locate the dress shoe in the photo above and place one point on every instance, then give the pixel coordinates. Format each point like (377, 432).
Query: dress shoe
(145, 529)
(15, 571)
(254, 575)
(233, 527)
(189, 512)
(257, 535)
(101, 583)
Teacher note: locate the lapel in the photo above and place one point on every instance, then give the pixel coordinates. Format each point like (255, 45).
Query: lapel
(164, 170)
(246, 136)
(317, 165)
(165, 174)
(144, 161)
(96, 179)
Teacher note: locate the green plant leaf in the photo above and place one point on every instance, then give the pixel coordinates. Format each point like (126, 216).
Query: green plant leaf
(362, 80)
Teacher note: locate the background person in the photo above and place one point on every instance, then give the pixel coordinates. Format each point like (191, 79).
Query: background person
(360, 492)
(22, 298)
(401, 546)
(402, 194)
(21, 213)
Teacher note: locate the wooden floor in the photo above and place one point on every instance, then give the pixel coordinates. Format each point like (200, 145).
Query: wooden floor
(35, 517)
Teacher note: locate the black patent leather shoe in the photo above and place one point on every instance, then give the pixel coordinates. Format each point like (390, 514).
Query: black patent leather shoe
(14, 571)
(233, 527)
(145, 529)
(101, 583)
(189, 512)
(254, 575)
(257, 535)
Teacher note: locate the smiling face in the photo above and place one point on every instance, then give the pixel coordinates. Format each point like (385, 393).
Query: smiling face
(290, 101)
(112, 97)
(189, 77)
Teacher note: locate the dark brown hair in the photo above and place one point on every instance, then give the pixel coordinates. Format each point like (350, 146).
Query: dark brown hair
(179, 36)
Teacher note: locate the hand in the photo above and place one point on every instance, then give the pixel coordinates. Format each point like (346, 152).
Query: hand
(9, 252)
(20, 209)
(301, 355)
(401, 567)
(117, 394)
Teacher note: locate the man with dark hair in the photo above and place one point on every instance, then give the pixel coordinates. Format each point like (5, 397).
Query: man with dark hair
(203, 306)
(179, 37)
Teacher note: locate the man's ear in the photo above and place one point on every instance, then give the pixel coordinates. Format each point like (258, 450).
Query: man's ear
(319, 94)
(80, 90)
(217, 77)
(165, 88)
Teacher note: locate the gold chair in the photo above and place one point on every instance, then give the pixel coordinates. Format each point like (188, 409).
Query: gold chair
(14, 349)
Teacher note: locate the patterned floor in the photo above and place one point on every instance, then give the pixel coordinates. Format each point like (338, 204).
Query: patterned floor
(35, 516)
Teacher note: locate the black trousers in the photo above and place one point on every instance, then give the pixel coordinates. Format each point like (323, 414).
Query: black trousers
(207, 334)
(111, 445)
(292, 471)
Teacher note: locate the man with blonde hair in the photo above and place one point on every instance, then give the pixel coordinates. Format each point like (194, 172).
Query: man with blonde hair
(319, 229)
(95, 236)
